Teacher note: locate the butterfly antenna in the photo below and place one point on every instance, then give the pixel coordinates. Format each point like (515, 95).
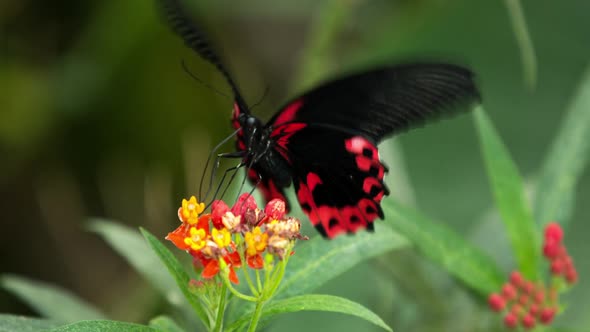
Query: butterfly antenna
(217, 147)
(264, 95)
(196, 78)
(181, 22)
(231, 179)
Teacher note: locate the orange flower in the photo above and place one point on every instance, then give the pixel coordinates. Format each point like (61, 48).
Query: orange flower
(256, 242)
(180, 234)
(190, 210)
(212, 267)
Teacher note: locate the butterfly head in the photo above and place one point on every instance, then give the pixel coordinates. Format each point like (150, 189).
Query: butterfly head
(253, 131)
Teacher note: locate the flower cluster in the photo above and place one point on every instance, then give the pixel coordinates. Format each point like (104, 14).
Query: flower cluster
(562, 264)
(527, 302)
(228, 237)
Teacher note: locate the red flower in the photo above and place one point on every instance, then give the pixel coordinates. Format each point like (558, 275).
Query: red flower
(275, 209)
(496, 302)
(511, 320)
(553, 231)
(531, 302)
(245, 202)
(255, 262)
(218, 209)
(212, 268)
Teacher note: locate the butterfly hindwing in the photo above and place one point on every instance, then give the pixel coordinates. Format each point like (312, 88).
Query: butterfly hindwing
(338, 179)
(329, 136)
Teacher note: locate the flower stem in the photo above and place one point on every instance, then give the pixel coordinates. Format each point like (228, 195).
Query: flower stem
(277, 280)
(258, 282)
(278, 276)
(249, 281)
(220, 310)
(256, 316)
(236, 292)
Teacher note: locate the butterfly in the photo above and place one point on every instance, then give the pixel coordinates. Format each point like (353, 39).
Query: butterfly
(324, 142)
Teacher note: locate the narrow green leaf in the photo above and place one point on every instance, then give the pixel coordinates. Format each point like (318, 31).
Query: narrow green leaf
(508, 189)
(102, 326)
(177, 271)
(565, 161)
(11, 323)
(318, 261)
(165, 324)
(314, 302)
(445, 247)
(525, 43)
(42, 297)
(132, 246)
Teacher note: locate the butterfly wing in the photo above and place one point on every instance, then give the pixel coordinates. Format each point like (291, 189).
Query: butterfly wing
(185, 27)
(385, 101)
(329, 135)
(338, 179)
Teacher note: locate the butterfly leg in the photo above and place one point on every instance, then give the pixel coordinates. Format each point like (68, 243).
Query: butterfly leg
(215, 168)
(233, 176)
(211, 154)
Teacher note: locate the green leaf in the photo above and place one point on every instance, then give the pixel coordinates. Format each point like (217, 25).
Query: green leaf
(11, 323)
(177, 271)
(43, 297)
(445, 247)
(318, 261)
(165, 324)
(565, 161)
(314, 302)
(102, 326)
(508, 189)
(132, 246)
(524, 40)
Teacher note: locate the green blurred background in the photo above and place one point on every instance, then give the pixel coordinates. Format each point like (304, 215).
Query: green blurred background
(98, 118)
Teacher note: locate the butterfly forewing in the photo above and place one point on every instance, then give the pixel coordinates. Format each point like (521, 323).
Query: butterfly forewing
(384, 101)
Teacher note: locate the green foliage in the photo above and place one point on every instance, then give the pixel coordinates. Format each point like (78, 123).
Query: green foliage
(165, 324)
(508, 189)
(54, 303)
(445, 247)
(319, 261)
(102, 326)
(133, 247)
(565, 161)
(525, 44)
(178, 273)
(12, 323)
(314, 302)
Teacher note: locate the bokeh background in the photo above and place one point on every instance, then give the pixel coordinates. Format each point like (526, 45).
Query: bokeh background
(98, 118)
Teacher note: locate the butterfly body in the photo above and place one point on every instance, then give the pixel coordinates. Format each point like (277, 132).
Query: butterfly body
(325, 141)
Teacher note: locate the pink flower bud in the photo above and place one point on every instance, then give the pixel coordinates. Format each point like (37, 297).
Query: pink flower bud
(275, 209)
(245, 202)
(496, 302)
(218, 210)
(510, 320)
(553, 231)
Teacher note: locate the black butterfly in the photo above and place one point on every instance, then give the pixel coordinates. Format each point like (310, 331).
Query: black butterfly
(324, 142)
